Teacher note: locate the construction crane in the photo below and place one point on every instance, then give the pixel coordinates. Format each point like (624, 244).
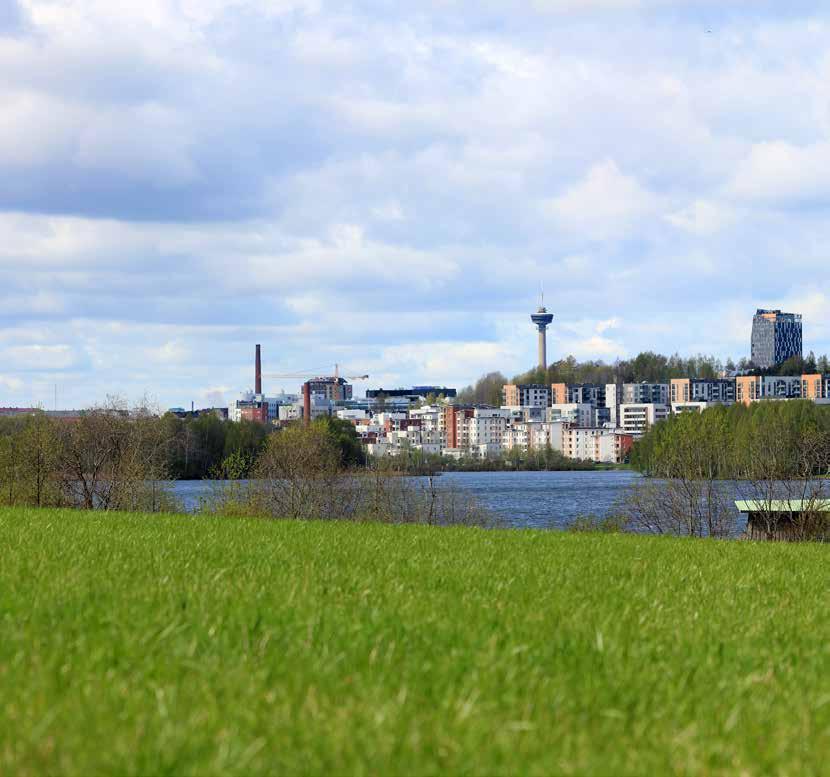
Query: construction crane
(309, 375)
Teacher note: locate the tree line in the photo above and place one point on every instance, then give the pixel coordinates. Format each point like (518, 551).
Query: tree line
(113, 458)
(732, 442)
(120, 458)
(775, 455)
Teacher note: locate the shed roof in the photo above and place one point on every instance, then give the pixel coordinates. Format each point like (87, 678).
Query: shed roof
(783, 505)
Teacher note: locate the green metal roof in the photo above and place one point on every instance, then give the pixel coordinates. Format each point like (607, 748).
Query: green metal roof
(783, 505)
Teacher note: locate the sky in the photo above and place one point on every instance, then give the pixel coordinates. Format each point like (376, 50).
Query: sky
(387, 185)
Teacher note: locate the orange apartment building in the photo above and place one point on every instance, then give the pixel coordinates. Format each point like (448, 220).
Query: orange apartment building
(815, 386)
(753, 388)
(559, 393)
(681, 390)
(452, 415)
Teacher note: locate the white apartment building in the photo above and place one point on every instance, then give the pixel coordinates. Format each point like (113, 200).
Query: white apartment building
(544, 435)
(617, 394)
(404, 439)
(517, 437)
(572, 413)
(433, 429)
(636, 419)
(536, 413)
(486, 429)
(689, 407)
(352, 415)
(533, 436)
(603, 446)
(379, 449)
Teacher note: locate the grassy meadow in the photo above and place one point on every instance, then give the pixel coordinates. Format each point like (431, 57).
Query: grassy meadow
(138, 644)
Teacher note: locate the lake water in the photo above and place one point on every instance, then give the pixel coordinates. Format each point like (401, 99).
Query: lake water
(540, 500)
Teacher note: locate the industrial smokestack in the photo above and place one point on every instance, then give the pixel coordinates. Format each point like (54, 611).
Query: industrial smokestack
(258, 377)
(306, 403)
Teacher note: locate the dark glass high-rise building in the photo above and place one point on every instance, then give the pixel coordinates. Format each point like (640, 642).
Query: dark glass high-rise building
(776, 337)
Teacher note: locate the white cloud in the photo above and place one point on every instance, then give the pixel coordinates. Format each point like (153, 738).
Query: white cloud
(595, 347)
(362, 183)
(782, 172)
(704, 217)
(150, 143)
(171, 352)
(42, 358)
(605, 204)
(604, 326)
(446, 362)
(11, 383)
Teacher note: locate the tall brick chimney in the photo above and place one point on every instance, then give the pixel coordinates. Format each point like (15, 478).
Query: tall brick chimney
(306, 403)
(258, 378)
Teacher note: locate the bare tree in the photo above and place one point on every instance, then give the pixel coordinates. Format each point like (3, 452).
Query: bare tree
(299, 475)
(10, 468)
(112, 459)
(689, 499)
(785, 481)
(37, 451)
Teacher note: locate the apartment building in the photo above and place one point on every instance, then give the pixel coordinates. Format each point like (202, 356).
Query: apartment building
(597, 445)
(754, 388)
(533, 436)
(815, 387)
(637, 418)
(530, 414)
(486, 429)
(578, 393)
(572, 413)
(259, 408)
(679, 408)
(618, 394)
(645, 394)
(583, 394)
(528, 395)
(433, 429)
(454, 418)
(720, 390)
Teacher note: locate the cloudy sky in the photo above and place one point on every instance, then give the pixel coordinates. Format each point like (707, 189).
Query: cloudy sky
(386, 184)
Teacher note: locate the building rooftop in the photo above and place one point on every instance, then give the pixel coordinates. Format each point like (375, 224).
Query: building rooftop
(783, 505)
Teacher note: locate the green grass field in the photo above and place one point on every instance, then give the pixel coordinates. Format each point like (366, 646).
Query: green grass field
(137, 644)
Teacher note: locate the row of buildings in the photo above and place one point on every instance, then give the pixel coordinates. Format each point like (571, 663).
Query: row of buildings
(595, 422)
(483, 432)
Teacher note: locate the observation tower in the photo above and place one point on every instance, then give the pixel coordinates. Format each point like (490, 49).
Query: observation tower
(543, 320)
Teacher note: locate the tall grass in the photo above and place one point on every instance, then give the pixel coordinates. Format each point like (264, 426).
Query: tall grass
(153, 644)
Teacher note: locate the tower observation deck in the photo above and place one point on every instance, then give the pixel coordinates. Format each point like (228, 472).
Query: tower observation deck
(543, 320)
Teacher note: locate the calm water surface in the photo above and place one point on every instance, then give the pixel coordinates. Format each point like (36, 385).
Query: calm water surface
(540, 500)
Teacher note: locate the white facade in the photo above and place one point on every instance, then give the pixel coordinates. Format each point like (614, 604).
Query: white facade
(636, 419)
(602, 446)
(352, 415)
(533, 436)
(572, 413)
(433, 429)
(689, 407)
(486, 428)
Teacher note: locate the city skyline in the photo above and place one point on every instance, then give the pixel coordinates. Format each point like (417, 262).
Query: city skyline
(385, 189)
